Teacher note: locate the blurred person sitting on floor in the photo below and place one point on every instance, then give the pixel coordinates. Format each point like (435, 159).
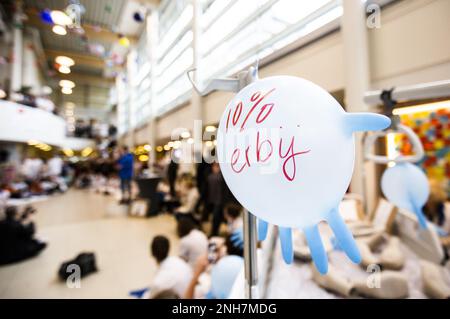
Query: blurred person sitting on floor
(54, 166)
(173, 272)
(233, 217)
(189, 195)
(202, 288)
(17, 240)
(7, 169)
(32, 168)
(193, 242)
(125, 174)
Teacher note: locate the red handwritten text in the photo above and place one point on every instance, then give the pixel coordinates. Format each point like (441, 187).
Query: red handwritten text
(263, 149)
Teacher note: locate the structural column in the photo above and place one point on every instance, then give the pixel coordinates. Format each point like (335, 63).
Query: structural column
(357, 82)
(196, 100)
(152, 38)
(132, 96)
(17, 50)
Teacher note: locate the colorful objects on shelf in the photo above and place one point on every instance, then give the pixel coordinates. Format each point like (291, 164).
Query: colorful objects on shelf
(433, 129)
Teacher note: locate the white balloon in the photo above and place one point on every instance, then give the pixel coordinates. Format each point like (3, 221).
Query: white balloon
(286, 150)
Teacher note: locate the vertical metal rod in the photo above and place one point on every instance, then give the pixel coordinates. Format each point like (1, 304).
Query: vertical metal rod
(243, 79)
(250, 230)
(250, 258)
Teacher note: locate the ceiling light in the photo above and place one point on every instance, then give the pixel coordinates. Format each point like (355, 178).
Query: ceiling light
(2, 94)
(210, 128)
(185, 134)
(64, 60)
(166, 147)
(143, 158)
(147, 147)
(176, 144)
(46, 90)
(68, 152)
(59, 30)
(190, 140)
(66, 90)
(159, 148)
(86, 152)
(32, 142)
(67, 84)
(123, 41)
(209, 143)
(59, 17)
(170, 144)
(64, 69)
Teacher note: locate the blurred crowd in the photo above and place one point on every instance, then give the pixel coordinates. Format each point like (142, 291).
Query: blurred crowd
(26, 97)
(94, 129)
(208, 217)
(34, 176)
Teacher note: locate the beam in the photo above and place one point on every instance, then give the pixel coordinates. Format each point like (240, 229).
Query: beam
(152, 4)
(79, 58)
(94, 33)
(92, 80)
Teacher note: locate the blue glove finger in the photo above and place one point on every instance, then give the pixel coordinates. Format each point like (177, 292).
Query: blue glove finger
(318, 252)
(285, 235)
(343, 236)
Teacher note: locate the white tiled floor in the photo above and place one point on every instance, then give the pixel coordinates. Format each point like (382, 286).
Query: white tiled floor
(82, 221)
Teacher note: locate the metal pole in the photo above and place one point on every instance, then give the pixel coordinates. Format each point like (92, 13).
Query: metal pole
(250, 258)
(250, 230)
(243, 79)
(412, 92)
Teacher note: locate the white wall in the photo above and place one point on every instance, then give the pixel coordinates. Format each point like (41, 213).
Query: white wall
(182, 117)
(412, 45)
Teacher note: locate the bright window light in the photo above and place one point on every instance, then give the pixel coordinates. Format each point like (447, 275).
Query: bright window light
(268, 26)
(185, 41)
(213, 11)
(176, 69)
(175, 30)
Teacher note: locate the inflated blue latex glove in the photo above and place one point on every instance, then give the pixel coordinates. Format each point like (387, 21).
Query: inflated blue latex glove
(406, 186)
(286, 151)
